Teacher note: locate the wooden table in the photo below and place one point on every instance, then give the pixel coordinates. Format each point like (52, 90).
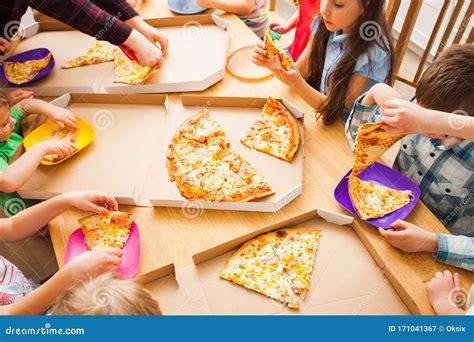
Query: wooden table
(170, 238)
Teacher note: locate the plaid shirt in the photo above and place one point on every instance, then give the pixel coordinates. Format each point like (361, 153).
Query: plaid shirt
(456, 250)
(444, 173)
(100, 18)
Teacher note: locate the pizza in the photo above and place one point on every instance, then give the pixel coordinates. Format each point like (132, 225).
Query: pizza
(128, 71)
(104, 231)
(278, 264)
(276, 132)
(67, 133)
(373, 200)
(22, 72)
(273, 49)
(371, 142)
(205, 168)
(101, 52)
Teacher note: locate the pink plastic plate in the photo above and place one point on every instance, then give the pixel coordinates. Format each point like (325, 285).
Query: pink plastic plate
(131, 251)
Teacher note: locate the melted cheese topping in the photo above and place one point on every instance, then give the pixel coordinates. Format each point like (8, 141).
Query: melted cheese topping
(99, 53)
(21, 72)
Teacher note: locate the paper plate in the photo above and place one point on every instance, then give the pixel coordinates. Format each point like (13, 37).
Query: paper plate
(384, 175)
(239, 65)
(185, 7)
(24, 57)
(131, 251)
(85, 136)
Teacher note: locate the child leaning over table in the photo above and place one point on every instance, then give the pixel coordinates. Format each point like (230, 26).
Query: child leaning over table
(441, 165)
(18, 296)
(17, 167)
(254, 13)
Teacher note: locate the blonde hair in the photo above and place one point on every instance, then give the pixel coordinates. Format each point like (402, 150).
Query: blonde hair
(107, 295)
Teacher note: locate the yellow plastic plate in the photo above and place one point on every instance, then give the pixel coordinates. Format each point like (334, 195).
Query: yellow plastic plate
(85, 135)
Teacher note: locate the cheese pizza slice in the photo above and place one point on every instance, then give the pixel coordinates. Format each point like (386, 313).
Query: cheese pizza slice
(103, 231)
(371, 142)
(296, 248)
(68, 134)
(273, 49)
(276, 132)
(200, 127)
(22, 72)
(372, 200)
(101, 52)
(257, 267)
(128, 71)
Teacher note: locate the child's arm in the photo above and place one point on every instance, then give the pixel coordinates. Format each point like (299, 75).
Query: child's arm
(379, 94)
(18, 172)
(290, 24)
(61, 115)
(88, 264)
(30, 220)
(239, 7)
(405, 117)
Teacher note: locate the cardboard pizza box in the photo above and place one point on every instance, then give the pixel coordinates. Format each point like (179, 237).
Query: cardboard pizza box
(345, 280)
(236, 115)
(117, 160)
(195, 61)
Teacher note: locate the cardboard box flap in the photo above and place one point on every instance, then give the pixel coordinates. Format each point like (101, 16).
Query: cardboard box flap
(188, 280)
(295, 111)
(335, 218)
(222, 23)
(62, 101)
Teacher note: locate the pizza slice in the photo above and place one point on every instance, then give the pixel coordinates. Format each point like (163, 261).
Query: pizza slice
(273, 49)
(371, 142)
(296, 248)
(67, 133)
(372, 200)
(200, 127)
(276, 132)
(257, 267)
(101, 52)
(104, 231)
(128, 71)
(22, 72)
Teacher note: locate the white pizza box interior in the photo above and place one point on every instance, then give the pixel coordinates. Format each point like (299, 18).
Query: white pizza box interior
(345, 280)
(236, 115)
(183, 68)
(117, 160)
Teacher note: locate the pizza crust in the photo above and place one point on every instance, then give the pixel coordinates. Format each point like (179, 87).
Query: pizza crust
(272, 50)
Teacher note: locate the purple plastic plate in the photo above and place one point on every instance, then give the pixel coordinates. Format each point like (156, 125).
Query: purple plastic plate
(384, 175)
(131, 251)
(24, 57)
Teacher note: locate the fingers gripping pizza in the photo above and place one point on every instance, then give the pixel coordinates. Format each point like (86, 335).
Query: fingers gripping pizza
(276, 132)
(128, 71)
(104, 231)
(273, 49)
(68, 134)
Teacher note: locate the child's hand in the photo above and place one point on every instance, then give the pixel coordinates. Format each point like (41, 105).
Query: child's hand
(56, 146)
(442, 293)
(147, 53)
(93, 263)
(280, 28)
(153, 35)
(291, 77)
(5, 46)
(259, 56)
(410, 238)
(404, 117)
(18, 95)
(93, 201)
(63, 117)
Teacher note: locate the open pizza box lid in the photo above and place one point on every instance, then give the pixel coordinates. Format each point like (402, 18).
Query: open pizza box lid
(117, 160)
(183, 68)
(236, 115)
(337, 285)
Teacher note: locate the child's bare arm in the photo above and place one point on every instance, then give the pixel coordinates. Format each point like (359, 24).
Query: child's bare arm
(239, 7)
(29, 221)
(88, 264)
(379, 94)
(61, 115)
(18, 172)
(284, 28)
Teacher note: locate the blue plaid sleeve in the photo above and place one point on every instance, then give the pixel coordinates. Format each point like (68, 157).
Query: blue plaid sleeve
(456, 250)
(360, 114)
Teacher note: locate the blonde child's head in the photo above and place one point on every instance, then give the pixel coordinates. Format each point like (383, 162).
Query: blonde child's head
(7, 123)
(107, 295)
